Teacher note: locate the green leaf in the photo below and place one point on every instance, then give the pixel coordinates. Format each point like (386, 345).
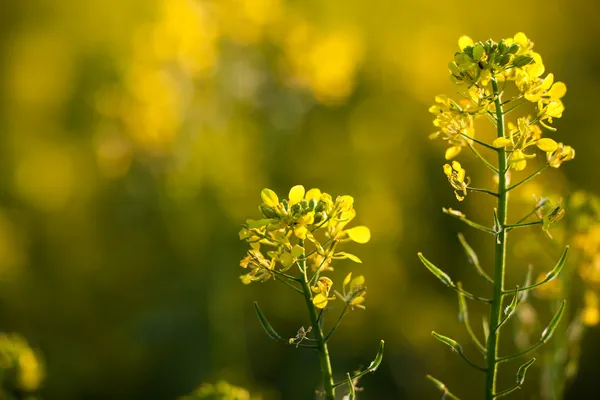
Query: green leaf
(343, 255)
(447, 341)
(441, 275)
(549, 331)
(265, 324)
(523, 370)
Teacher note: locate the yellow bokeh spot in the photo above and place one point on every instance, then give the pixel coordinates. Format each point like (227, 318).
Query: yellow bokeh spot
(45, 179)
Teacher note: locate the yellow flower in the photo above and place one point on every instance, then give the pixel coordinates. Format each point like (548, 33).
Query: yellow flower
(453, 121)
(456, 177)
(520, 137)
(354, 291)
(321, 290)
(260, 267)
(561, 154)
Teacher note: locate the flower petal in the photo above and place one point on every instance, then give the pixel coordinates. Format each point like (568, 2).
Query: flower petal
(359, 234)
(296, 194)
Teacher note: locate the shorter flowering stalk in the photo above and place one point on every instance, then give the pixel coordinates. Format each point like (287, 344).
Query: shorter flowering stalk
(296, 242)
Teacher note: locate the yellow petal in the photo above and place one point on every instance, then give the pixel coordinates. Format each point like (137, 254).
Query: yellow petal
(296, 194)
(465, 41)
(501, 142)
(521, 39)
(320, 301)
(357, 300)
(269, 197)
(286, 259)
(297, 251)
(547, 145)
(558, 91)
(300, 232)
(343, 255)
(313, 194)
(448, 169)
(452, 152)
(358, 281)
(359, 234)
(347, 279)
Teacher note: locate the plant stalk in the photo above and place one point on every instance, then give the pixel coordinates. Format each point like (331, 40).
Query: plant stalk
(318, 332)
(500, 260)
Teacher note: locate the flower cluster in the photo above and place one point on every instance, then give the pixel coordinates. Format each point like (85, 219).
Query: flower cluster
(305, 230)
(472, 70)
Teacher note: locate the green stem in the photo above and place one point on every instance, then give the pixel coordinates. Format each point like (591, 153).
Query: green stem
(318, 332)
(500, 261)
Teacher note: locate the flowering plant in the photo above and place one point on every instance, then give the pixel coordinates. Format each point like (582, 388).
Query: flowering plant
(296, 242)
(484, 73)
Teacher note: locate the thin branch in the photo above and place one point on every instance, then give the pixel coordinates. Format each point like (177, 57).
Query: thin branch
(471, 363)
(484, 144)
(467, 221)
(508, 391)
(539, 170)
(533, 211)
(483, 191)
(290, 285)
(522, 225)
(333, 329)
(483, 160)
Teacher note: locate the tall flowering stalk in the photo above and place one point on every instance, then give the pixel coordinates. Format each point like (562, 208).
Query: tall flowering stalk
(296, 242)
(484, 74)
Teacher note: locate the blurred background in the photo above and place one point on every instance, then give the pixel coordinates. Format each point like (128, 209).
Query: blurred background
(135, 137)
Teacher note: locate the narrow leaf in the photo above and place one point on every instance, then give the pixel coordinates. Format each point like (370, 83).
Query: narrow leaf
(441, 275)
(549, 331)
(265, 323)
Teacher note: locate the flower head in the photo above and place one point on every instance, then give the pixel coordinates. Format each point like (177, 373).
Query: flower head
(302, 230)
(456, 177)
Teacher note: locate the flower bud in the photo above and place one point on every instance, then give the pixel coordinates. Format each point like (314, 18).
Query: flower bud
(267, 211)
